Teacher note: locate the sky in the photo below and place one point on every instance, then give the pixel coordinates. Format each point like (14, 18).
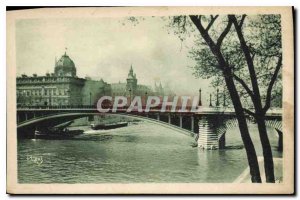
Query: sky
(106, 48)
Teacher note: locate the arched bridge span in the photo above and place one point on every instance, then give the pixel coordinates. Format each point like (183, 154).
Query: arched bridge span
(58, 118)
(213, 129)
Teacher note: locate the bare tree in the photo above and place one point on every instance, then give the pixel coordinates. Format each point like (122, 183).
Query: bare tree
(246, 53)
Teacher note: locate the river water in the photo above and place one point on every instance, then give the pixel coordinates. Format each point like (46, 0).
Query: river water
(138, 153)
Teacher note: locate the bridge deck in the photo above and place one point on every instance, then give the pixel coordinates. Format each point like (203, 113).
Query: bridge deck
(199, 111)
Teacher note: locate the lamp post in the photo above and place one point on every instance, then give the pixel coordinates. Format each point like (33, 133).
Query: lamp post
(224, 99)
(24, 97)
(146, 96)
(43, 93)
(90, 99)
(129, 96)
(200, 101)
(50, 98)
(218, 103)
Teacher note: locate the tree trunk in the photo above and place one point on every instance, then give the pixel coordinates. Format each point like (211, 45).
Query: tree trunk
(267, 151)
(216, 50)
(249, 147)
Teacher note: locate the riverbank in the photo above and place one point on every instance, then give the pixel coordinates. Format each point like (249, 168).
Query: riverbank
(245, 175)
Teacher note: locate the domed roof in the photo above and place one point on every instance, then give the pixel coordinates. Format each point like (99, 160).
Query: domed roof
(65, 61)
(65, 66)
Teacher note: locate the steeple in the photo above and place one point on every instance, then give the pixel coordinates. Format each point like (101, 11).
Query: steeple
(131, 81)
(131, 75)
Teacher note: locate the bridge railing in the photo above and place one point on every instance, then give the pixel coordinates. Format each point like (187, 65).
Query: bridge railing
(156, 109)
(40, 117)
(93, 107)
(56, 107)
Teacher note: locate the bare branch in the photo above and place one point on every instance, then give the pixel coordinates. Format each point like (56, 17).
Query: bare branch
(242, 21)
(184, 23)
(249, 112)
(270, 87)
(197, 21)
(242, 82)
(253, 55)
(213, 19)
(224, 33)
(250, 64)
(209, 41)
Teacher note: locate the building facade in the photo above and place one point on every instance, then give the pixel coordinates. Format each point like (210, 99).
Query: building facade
(61, 88)
(48, 90)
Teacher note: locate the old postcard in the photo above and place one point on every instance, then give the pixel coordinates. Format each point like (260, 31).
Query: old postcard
(157, 100)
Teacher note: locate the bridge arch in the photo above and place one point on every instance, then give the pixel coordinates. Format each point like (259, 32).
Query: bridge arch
(213, 128)
(233, 123)
(71, 116)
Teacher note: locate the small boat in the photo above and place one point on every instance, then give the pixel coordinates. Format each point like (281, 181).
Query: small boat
(56, 134)
(37, 133)
(108, 126)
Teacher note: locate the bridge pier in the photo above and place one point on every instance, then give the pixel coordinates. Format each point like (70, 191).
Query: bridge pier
(280, 140)
(222, 141)
(208, 138)
(192, 123)
(180, 121)
(158, 117)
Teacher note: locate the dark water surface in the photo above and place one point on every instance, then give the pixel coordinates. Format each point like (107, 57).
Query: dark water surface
(137, 153)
